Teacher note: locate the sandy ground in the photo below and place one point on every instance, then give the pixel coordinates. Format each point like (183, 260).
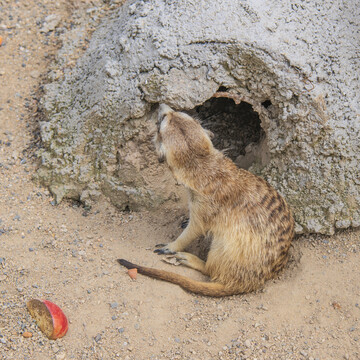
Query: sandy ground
(67, 254)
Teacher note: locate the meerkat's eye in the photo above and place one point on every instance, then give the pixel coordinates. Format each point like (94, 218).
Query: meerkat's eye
(160, 120)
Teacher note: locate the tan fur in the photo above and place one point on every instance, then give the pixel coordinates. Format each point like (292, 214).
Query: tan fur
(250, 223)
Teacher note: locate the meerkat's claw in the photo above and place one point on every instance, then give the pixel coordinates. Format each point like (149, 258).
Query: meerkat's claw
(181, 258)
(164, 251)
(160, 245)
(180, 255)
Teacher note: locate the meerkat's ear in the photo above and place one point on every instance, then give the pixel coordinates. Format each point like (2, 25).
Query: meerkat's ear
(209, 133)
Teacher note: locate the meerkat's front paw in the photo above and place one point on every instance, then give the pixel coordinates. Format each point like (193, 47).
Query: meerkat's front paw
(168, 249)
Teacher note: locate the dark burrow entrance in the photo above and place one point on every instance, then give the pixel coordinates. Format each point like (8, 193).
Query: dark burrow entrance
(234, 126)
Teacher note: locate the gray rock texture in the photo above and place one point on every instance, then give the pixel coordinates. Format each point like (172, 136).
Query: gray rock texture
(301, 59)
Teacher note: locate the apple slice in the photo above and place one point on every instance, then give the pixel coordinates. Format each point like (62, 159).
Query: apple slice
(49, 317)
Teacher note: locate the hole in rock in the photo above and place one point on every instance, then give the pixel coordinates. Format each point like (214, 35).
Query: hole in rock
(237, 130)
(266, 104)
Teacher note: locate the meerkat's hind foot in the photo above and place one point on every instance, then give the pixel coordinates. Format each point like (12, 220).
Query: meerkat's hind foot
(191, 261)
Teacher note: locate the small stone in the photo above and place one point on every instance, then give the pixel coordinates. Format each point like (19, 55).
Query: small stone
(303, 353)
(27, 334)
(50, 23)
(55, 348)
(307, 297)
(97, 338)
(35, 74)
(114, 305)
(121, 330)
(61, 356)
(247, 343)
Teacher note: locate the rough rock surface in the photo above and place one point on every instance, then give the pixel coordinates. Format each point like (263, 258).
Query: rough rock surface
(301, 60)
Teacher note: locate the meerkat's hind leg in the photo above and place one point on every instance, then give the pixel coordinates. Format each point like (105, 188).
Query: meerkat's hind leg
(191, 261)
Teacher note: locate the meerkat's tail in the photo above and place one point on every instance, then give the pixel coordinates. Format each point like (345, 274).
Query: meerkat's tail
(197, 287)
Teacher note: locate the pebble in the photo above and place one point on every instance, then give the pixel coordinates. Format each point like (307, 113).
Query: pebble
(50, 23)
(97, 338)
(35, 74)
(114, 305)
(55, 348)
(303, 353)
(27, 334)
(61, 356)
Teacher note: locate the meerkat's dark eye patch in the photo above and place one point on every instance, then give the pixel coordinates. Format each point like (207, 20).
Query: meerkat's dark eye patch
(159, 121)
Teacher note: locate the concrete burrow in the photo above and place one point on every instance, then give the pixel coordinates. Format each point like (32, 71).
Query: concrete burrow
(277, 83)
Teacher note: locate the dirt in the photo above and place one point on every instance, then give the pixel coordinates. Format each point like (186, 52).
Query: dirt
(67, 253)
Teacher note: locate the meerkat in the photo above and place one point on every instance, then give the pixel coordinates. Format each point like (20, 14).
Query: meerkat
(251, 225)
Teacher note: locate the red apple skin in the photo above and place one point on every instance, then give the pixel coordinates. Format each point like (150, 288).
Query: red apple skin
(60, 322)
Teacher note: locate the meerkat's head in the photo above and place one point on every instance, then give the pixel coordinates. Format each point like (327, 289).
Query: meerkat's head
(180, 139)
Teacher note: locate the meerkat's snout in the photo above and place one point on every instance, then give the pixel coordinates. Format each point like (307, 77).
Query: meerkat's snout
(163, 111)
(161, 158)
